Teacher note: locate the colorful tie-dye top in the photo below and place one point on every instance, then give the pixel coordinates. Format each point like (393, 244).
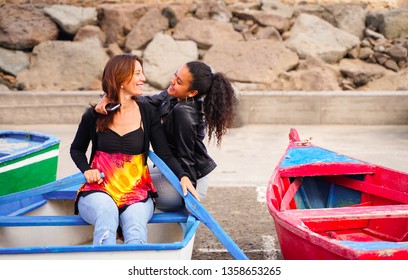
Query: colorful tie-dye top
(127, 178)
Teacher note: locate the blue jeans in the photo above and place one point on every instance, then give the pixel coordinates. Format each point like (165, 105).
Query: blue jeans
(100, 210)
(169, 199)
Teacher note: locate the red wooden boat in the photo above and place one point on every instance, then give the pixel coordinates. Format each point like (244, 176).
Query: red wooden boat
(328, 206)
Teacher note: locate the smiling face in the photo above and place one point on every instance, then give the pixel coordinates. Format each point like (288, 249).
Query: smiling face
(134, 86)
(180, 84)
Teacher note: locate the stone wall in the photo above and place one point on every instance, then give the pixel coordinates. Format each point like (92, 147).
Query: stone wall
(259, 45)
(372, 4)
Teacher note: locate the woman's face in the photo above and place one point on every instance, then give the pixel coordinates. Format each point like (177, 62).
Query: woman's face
(135, 86)
(180, 84)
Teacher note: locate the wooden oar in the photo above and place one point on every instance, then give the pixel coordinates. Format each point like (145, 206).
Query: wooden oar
(69, 181)
(198, 210)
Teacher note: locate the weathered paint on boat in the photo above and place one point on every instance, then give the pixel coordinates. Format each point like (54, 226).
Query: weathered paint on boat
(330, 206)
(27, 160)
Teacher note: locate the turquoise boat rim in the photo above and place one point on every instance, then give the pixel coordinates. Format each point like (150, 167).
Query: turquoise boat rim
(48, 141)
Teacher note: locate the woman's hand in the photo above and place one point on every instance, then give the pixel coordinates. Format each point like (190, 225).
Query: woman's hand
(186, 185)
(92, 176)
(100, 107)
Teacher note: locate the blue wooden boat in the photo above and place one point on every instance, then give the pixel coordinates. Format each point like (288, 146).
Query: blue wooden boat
(39, 224)
(27, 160)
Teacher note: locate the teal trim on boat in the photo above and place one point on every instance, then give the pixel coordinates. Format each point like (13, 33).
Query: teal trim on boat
(308, 155)
(27, 160)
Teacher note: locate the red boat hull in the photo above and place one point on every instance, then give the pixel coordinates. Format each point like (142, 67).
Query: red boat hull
(327, 206)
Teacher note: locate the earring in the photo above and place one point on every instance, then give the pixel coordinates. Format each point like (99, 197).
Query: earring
(121, 86)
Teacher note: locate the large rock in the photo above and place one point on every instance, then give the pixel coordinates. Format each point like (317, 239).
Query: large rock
(312, 36)
(266, 18)
(392, 82)
(346, 16)
(22, 27)
(61, 65)
(89, 31)
(205, 32)
(215, 10)
(4, 88)
(163, 56)
(13, 61)
(251, 62)
(174, 12)
(71, 18)
(143, 32)
(117, 20)
(312, 74)
(361, 72)
(349, 17)
(278, 6)
(395, 23)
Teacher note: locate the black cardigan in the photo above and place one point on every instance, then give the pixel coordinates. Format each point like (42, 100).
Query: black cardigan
(153, 133)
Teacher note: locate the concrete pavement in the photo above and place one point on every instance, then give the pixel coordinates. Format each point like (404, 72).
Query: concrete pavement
(248, 154)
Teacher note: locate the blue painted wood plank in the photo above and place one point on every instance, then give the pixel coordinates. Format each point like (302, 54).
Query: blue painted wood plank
(308, 155)
(64, 194)
(23, 206)
(376, 245)
(74, 220)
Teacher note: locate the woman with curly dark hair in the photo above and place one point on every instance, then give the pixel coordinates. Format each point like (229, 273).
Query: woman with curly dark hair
(196, 102)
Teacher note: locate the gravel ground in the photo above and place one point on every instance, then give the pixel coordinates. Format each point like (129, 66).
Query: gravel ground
(243, 214)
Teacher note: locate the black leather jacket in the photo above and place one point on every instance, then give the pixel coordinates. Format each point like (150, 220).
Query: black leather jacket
(183, 123)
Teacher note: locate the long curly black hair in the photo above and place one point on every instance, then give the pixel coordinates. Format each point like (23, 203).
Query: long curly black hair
(220, 101)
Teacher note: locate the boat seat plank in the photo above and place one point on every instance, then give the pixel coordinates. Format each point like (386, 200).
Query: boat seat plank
(27, 209)
(74, 220)
(369, 188)
(350, 213)
(63, 194)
